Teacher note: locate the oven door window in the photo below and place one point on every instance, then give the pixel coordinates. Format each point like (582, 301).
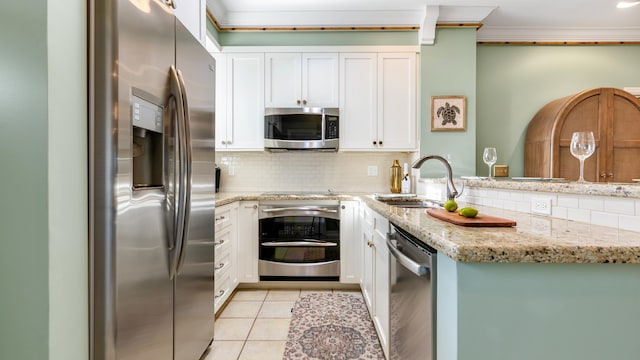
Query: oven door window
(303, 127)
(299, 239)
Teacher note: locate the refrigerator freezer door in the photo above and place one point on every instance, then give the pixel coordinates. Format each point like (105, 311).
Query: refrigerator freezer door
(194, 280)
(144, 292)
(132, 295)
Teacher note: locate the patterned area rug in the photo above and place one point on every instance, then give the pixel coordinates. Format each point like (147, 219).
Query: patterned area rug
(332, 327)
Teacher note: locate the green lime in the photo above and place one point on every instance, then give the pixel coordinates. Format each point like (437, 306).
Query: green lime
(450, 205)
(468, 212)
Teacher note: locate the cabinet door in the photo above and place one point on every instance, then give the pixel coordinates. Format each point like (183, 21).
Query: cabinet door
(397, 101)
(244, 128)
(350, 247)
(247, 255)
(283, 78)
(623, 141)
(366, 243)
(320, 80)
(192, 14)
(381, 289)
(358, 104)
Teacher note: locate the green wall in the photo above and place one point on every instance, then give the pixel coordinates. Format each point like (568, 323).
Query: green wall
(318, 38)
(24, 259)
(449, 68)
(537, 311)
(514, 82)
(43, 227)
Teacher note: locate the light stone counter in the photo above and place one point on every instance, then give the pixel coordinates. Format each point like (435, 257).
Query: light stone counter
(534, 239)
(625, 190)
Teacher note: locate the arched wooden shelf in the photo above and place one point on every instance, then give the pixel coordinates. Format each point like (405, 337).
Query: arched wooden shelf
(614, 117)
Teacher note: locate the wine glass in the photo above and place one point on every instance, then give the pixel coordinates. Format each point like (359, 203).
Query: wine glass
(582, 146)
(490, 156)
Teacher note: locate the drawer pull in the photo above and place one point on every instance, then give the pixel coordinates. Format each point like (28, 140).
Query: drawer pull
(219, 266)
(220, 218)
(218, 242)
(220, 293)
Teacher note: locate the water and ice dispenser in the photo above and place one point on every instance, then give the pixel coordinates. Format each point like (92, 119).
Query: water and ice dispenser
(147, 119)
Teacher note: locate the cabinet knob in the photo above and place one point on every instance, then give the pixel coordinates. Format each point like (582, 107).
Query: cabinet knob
(603, 175)
(298, 102)
(170, 3)
(304, 102)
(370, 244)
(375, 142)
(610, 175)
(224, 142)
(380, 142)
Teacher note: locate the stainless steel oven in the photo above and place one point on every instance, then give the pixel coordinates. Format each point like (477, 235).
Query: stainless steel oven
(299, 240)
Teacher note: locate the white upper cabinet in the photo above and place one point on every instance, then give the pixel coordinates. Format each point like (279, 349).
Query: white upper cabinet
(301, 80)
(193, 15)
(240, 100)
(378, 101)
(358, 101)
(397, 101)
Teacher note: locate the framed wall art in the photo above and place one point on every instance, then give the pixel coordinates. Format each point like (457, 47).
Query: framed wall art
(448, 113)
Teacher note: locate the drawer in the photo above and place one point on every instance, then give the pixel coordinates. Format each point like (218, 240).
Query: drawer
(223, 240)
(223, 217)
(222, 292)
(222, 263)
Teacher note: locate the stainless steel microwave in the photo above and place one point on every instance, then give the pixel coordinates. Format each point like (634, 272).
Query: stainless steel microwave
(301, 129)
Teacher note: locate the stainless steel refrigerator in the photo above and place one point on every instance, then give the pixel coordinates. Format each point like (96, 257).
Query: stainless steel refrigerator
(152, 184)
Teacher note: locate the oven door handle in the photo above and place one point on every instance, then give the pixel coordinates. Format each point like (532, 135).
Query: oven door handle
(301, 208)
(298, 243)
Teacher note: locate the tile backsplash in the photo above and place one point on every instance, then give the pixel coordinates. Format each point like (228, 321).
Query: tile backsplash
(306, 171)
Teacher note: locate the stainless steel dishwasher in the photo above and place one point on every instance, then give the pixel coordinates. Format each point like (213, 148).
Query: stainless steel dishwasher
(412, 301)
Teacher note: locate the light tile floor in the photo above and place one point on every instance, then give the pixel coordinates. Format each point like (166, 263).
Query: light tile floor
(255, 324)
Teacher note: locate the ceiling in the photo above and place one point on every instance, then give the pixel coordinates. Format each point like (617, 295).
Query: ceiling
(503, 20)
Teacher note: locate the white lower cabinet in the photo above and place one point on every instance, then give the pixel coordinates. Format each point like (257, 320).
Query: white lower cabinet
(247, 256)
(375, 271)
(225, 270)
(350, 247)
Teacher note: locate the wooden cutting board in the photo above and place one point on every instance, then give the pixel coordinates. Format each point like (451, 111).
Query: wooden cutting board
(479, 220)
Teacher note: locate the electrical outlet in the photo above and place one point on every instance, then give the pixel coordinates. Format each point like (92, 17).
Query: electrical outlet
(372, 170)
(541, 206)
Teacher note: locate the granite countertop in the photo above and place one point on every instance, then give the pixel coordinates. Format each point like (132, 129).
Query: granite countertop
(533, 239)
(625, 190)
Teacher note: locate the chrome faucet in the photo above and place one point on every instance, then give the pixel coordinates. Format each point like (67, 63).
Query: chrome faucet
(452, 192)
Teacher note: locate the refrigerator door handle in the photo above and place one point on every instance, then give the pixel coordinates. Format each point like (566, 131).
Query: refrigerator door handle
(179, 224)
(188, 158)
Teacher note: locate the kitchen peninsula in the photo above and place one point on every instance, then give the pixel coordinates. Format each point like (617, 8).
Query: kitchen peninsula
(547, 288)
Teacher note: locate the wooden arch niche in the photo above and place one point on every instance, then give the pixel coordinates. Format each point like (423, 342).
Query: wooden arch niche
(614, 117)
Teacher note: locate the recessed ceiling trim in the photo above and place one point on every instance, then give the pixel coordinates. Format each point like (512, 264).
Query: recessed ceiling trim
(546, 34)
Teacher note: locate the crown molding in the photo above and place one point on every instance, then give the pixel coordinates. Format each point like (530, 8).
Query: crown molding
(318, 19)
(558, 35)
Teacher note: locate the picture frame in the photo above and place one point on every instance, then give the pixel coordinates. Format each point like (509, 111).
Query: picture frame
(448, 113)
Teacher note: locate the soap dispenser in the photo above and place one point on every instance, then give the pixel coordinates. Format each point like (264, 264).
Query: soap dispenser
(396, 177)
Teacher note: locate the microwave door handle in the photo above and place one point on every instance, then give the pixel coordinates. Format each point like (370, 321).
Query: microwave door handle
(323, 125)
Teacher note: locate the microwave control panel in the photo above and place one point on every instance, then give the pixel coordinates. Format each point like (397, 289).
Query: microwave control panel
(332, 127)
